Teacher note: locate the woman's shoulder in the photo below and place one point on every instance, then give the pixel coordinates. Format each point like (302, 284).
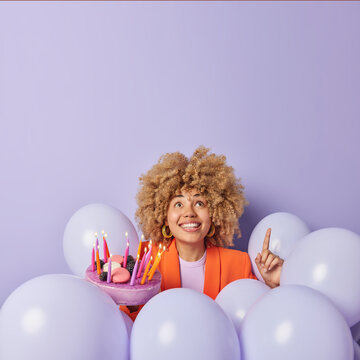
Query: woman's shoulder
(235, 264)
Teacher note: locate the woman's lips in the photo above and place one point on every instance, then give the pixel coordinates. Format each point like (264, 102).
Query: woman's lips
(190, 227)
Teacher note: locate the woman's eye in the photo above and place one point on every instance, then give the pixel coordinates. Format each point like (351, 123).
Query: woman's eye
(178, 204)
(199, 203)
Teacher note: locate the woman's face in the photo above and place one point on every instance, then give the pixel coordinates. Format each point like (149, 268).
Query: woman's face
(188, 217)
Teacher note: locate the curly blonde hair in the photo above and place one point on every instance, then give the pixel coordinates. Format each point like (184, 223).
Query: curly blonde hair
(205, 172)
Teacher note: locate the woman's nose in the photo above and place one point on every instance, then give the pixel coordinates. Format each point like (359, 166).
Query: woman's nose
(189, 211)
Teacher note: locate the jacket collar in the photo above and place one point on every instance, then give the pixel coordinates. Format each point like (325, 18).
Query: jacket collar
(170, 268)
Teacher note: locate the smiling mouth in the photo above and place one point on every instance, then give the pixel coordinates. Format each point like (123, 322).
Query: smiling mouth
(190, 226)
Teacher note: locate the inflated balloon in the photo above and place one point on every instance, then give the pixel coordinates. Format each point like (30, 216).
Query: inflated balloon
(128, 323)
(238, 296)
(295, 322)
(355, 331)
(180, 324)
(79, 236)
(61, 317)
(328, 260)
(356, 351)
(286, 230)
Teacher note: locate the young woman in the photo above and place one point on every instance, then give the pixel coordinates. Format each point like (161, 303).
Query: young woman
(192, 206)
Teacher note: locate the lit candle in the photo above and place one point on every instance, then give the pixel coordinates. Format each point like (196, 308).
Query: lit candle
(158, 253)
(163, 250)
(93, 259)
(141, 264)
(133, 276)
(139, 248)
(154, 267)
(97, 240)
(146, 271)
(148, 254)
(157, 261)
(98, 261)
(109, 271)
(104, 246)
(107, 248)
(126, 250)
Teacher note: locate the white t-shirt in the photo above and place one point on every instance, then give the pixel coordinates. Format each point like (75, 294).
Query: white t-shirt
(192, 273)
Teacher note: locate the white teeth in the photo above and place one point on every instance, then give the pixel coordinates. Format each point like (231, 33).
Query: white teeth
(190, 226)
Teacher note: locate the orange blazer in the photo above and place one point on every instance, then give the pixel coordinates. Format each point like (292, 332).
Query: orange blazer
(222, 266)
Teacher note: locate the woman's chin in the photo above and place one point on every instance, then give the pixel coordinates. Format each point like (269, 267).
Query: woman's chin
(190, 238)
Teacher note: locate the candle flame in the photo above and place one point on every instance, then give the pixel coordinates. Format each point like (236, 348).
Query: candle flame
(150, 241)
(142, 237)
(95, 234)
(105, 234)
(102, 231)
(126, 234)
(145, 250)
(138, 257)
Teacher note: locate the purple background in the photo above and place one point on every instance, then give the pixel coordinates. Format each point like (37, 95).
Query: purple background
(91, 94)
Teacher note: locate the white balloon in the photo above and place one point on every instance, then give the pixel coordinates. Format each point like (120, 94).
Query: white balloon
(286, 230)
(181, 324)
(295, 322)
(355, 331)
(59, 317)
(79, 236)
(356, 351)
(327, 260)
(238, 296)
(128, 323)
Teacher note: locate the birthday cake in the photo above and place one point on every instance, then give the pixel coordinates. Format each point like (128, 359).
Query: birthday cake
(123, 287)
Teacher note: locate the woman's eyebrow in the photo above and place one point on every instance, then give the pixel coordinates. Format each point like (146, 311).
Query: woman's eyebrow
(181, 196)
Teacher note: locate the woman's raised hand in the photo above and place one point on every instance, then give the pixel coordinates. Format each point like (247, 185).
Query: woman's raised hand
(268, 264)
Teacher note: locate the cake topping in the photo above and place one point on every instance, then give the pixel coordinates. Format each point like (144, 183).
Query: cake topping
(120, 275)
(103, 276)
(114, 265)
(130, 265)
(117, 258)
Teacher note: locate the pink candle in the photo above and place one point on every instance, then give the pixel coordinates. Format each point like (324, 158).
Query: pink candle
(133, 276)
(109, 272)
(93, 260)
(126, 251)
(141, 264)
(148, 254)
(107, 248)
(104, 246)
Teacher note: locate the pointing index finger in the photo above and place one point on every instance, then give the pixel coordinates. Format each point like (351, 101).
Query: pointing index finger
(267, 240)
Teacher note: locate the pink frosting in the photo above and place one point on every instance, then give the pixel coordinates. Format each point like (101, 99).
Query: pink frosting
(124, 293)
